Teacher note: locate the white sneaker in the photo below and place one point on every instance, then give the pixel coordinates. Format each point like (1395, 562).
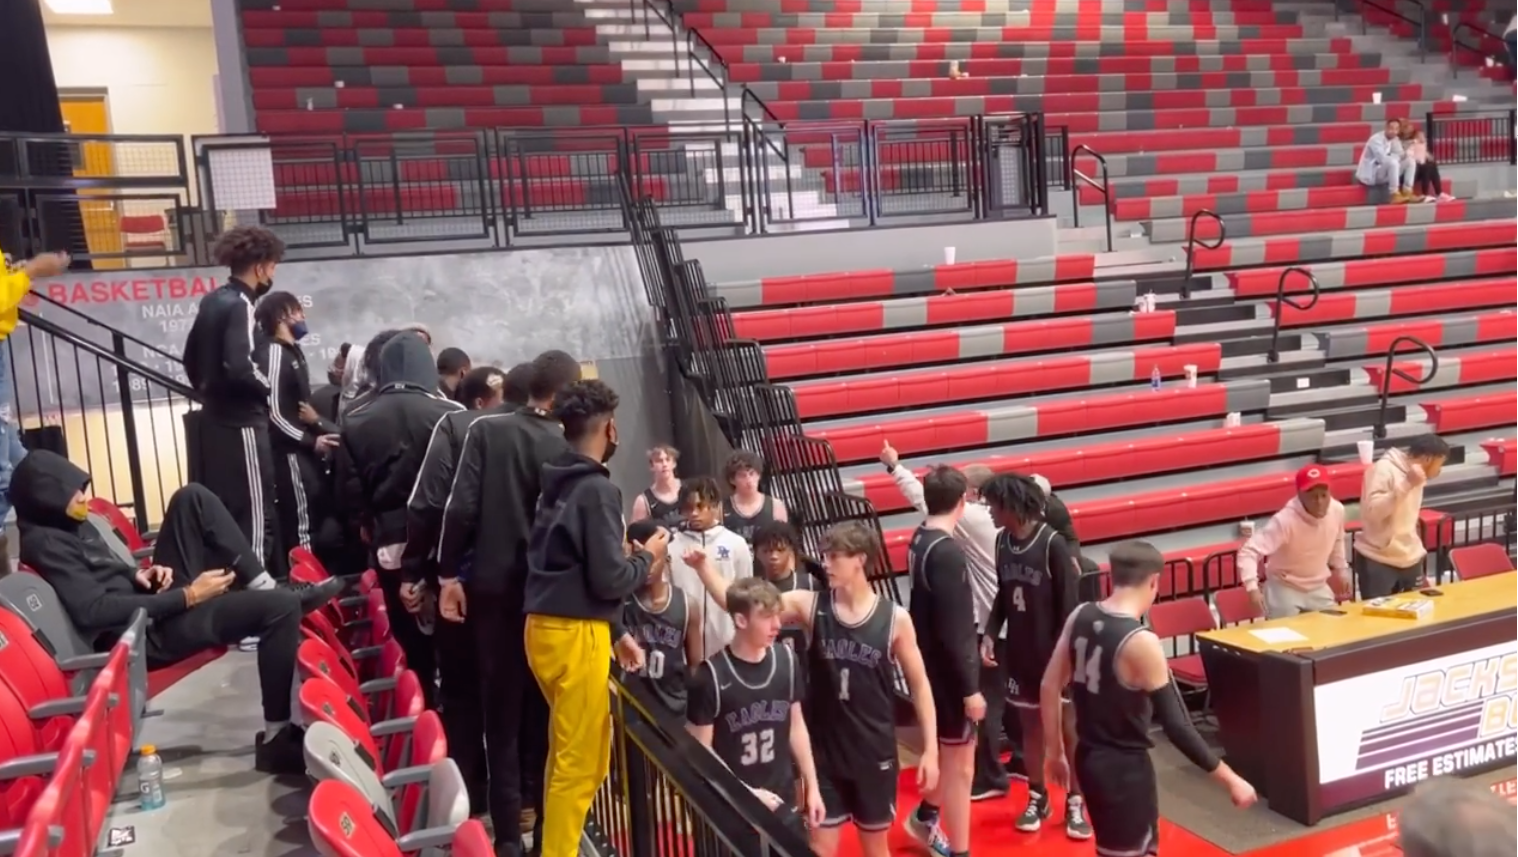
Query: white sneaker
(247, 644)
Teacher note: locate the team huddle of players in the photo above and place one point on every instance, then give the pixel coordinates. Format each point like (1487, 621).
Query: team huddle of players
(1086, 680)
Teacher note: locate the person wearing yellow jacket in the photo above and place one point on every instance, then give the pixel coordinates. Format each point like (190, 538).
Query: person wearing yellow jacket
(15, 283)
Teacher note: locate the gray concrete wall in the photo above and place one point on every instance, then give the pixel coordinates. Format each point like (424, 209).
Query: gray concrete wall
(234, 99)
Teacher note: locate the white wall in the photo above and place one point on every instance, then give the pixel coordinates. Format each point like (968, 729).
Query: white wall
(157, 80)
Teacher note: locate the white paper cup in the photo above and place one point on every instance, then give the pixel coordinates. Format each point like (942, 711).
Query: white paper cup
(1375, 98)
(1190, 370)
(1233, 420)
(1246, 528)
(948, 255)
(1367, 450)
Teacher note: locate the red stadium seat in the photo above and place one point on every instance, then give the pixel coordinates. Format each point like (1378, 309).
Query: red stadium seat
(342, 824)
(1466, 413)
(1360, 273)
(1502, 453)
(1235, 607)
(1483, 560)
(1182, 619)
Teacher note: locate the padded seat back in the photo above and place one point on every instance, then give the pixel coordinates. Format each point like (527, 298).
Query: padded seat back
(322, 701)
(332, 755)
(342, 824)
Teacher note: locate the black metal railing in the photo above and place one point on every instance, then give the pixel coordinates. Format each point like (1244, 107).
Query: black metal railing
(1101, 185)
(1192, 242)
(667, 796)
(1283, 301)
(1392, 370)
(357, 194)
(1485, 137)
(729, 375)
(80, 391)
(1389, 7)
(1482, 45)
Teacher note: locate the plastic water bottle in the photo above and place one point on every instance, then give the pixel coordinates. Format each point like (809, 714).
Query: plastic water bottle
(149, 778)
(1155, 378)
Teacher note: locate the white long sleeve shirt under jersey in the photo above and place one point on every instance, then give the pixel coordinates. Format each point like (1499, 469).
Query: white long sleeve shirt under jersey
(734, 560)
(976, 535)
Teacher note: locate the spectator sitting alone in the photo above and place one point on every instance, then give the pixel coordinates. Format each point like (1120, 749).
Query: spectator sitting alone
(1427, 185)
(1385, 164)
(200, 554)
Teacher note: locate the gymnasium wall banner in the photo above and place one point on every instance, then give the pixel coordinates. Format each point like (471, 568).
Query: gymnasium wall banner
(1388, 730)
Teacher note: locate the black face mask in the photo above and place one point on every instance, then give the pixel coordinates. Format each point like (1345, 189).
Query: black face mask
(261, 289)
(611, 449)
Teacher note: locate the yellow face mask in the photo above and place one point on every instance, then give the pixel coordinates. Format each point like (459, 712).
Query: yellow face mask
(79, 510)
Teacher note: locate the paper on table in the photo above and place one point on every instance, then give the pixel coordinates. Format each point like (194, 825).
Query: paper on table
(1278, 635)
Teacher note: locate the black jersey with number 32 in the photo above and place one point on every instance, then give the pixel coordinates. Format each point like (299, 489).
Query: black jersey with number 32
(661, 633)
(752, 731)
(1107, 714)
(851, 685)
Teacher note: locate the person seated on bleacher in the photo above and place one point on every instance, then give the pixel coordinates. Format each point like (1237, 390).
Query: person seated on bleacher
(1385, 164)
(199, 556)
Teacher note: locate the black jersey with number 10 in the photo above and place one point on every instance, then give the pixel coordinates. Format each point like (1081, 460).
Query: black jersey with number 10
(661, 633)
(1107, 713)
(851, 684)
(751, 733)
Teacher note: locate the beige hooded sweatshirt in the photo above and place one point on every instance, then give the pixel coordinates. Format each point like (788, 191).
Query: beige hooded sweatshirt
(1390, 499)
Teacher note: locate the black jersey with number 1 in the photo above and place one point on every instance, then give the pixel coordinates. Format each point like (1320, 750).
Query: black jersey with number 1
(1108, 715)
(748, 706)
(661, 633)
(851, 685)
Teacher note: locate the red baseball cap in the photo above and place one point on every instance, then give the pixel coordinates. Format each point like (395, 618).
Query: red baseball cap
(1311, 476)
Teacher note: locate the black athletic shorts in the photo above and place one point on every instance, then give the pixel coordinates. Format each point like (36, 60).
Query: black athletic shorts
(863, 794)
(1122, 800)
(949, 713)
(1023, 683)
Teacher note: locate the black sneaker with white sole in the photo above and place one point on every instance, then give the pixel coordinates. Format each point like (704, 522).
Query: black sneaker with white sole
(989, 788)
(314, 595)
(1077, 826)
(1034, 814)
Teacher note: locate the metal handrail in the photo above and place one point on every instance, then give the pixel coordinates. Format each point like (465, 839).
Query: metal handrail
(91, 320)
(1105, 188)
(1455, 47)
(1421, 23)
(1192, 243)
(1285, 300)
(1391, 370)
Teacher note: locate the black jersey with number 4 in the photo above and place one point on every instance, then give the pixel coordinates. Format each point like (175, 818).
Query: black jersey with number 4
(1036, 591)
(1107, 714)
(748, 706)
(661, 633)
(851, 686)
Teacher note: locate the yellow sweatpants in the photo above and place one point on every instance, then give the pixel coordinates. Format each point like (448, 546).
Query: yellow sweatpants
(571, 660)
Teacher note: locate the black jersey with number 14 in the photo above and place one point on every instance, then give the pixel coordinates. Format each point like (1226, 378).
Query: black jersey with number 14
(1108, 714)
(851, 685)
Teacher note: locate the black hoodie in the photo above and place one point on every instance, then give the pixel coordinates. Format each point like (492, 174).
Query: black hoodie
(385, 439)
(575, 565)
(98, 589)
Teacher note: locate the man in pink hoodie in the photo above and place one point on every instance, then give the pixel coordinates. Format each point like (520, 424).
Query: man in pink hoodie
(1304, 545)
(1390, 549)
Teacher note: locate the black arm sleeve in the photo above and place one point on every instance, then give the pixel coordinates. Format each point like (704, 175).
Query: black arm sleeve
(1172, 715)
(1066, 579)
(701, 696)
(954, 617)
(237, 352)
(284, 404)
(461, 511)
(608, 574)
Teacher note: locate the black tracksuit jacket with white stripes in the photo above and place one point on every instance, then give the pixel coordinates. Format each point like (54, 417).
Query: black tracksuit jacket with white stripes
(284, 365)
(219, 357)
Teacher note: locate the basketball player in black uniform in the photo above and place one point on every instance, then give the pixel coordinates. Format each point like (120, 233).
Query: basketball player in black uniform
(1037, 588)
(1116, 671)
(746, 507)
(745, 704)
(857, 637)
(943, 613)
(660, 619)
(660, 502)
(777, 558)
